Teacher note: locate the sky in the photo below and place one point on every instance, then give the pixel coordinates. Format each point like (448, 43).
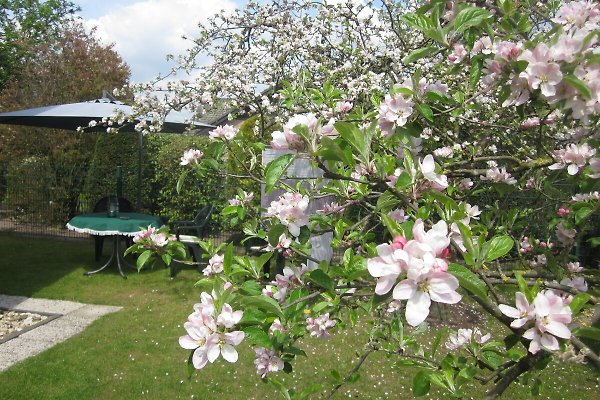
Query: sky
(145, 31)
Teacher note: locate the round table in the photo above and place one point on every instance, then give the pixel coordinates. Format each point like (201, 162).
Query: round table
(122, 224)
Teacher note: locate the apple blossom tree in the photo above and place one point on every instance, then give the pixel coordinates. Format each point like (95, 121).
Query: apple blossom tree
(456, 144)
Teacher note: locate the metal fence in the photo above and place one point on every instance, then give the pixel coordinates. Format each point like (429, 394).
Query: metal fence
(41, 202)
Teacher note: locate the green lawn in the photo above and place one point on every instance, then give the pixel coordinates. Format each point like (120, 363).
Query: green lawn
(134, 354)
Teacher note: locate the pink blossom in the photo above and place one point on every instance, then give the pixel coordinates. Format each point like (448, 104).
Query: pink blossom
(398, 215)
(434, 286)
(277, 326)
(394, 111)
(228, 318)
(226, 132)
(519, 92)
(573, 156)
(282, 243)
(525, 246)
(530, 123)
(564, 235)
(595, 165)
(464, 336)
(191, 156)
(482, 45)
(387, 267)
(544, 76)
(507, 50)
(427, 166)
(290, 209)
(343, 106)
(223, 344)
(551, 317)
(465, 184)
(242, 199)
(195, 339)
(267, 361)
(586, 196)
(562, 211)
(578, 283)
(496, 175)
(145, 234)
(574, 267)
(523, 313)
(292, 277)
(319, 327)
(458, 54)
(215, 265)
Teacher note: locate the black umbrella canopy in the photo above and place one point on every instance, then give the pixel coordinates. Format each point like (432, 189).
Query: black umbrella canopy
(74, 115)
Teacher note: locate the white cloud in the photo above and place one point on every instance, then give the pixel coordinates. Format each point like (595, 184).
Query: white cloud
(144, 32)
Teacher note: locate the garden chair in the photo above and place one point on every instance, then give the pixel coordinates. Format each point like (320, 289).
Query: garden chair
(103, 205)
(189, 232)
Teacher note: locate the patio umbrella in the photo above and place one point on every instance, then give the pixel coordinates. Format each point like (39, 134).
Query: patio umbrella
(74, 115)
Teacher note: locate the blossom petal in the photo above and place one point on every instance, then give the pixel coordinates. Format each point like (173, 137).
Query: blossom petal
(447, 298)
(417, 308)
(229, 353)
(549, 342)
(378, 267)
(385, 284)
(558, 329)
(443, 283)
(509, 311)
(405, 290)
(187, 342)
(199, 358)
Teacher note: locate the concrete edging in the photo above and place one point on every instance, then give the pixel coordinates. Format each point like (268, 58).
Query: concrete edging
(75, 317)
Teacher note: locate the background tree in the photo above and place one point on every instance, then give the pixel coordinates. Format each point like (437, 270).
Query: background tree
(72, 67)
(25, 23)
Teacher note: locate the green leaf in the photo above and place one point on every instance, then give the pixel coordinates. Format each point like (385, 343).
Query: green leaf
(469, 17)
(387, 202)
(228, 258)
(181, 179)
(229, 210)
(253, 316)
(275, 170)
(537, 387)
(583, 213)
(274, 233)
(330, 150)
(359, 140)
(523, 287)
(465, 232)
(468, 280)
(322, 279)
(257, 336)
(418, 21)
(498, 247)
(421, 384)
(438, 339)
(264, 303)
(588, 332)
(578, 85)
(281, 387)
(425, 111)
(251, 288)
(190, 365)
(404, 180)
(579, 301)
(418, 54)
(143, 258)
(475, 74)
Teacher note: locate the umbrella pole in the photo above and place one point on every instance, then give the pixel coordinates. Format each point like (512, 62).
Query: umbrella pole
(139, 171)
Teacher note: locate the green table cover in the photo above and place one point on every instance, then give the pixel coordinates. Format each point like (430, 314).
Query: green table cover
(126, 224)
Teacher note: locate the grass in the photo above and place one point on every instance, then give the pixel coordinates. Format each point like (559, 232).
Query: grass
(134, 354)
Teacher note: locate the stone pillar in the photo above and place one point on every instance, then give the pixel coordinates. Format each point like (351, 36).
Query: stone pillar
(301, 170)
